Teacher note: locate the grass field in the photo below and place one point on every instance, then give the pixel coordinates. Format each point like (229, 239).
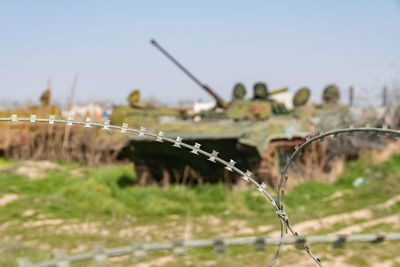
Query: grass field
(46, 206)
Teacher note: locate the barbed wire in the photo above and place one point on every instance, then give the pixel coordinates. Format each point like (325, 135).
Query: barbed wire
(230, 166)
(290, 161)
(320, 137)
(177, 143)
(179, 247)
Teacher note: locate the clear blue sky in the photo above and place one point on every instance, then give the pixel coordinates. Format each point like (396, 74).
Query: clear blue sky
(284, 43)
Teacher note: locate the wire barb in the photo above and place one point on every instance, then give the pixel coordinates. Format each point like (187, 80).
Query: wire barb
(52, 118)
(213, 156)
(160, 136)
(124, 127)
(350, 133)
(33, 118)
(14, 117)
(106, 125)
(383, 133)
(230, 165)
(142, 131)
(247, 175)
(196, 149)
(321, 140)
(178, 142)
(88, 123)
(69, 121)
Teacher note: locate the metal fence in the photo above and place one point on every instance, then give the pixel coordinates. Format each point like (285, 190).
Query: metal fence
(229, 165)
(179, 247)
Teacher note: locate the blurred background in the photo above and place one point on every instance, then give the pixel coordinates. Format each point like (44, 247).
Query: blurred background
(250, 80)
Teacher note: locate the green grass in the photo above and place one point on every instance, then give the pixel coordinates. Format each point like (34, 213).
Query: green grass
(305, 200)
(4, 162)
(111, 191)
(109, 197)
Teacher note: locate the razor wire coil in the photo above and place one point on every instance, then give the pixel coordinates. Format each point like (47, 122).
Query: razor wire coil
(230, 166)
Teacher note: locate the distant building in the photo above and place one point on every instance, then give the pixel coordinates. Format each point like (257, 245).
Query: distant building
(92, 110)
(186, 103)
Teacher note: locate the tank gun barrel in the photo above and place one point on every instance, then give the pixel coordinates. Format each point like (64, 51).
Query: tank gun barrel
(278, 91)
(220, 102)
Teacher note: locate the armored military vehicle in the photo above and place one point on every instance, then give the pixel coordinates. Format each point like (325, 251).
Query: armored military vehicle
(258, 133)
